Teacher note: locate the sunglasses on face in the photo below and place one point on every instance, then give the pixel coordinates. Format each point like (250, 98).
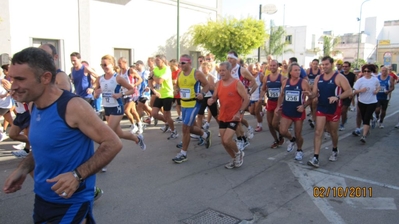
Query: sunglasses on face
(182, 63)
(366, 71)
(103, 65)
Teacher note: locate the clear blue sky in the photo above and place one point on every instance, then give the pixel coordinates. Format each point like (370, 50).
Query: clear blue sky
(339, 15)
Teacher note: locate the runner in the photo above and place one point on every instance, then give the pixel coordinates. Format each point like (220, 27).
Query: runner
(230, 91)
(329, 89)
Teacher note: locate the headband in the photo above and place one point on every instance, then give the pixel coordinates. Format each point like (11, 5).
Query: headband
(232, 56)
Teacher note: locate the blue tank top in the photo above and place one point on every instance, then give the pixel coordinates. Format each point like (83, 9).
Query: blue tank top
(273, 88)
(384, 86)
(328, 88)
(293, 98)
(57, 149)
(312, 76)
(81, 82)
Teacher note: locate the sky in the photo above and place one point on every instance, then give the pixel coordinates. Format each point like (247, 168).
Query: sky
(340, 16)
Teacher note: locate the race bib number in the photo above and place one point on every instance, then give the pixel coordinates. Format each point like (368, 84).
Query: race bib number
(292, 96)
(108, 97)
(311, 81)
(382, 89)
(185, 94)
(274, 92)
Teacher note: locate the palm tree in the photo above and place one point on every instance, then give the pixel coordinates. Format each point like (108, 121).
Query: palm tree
(329, 43)
(276, 45)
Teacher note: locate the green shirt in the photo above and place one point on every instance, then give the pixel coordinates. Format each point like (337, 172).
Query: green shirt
(166, 87)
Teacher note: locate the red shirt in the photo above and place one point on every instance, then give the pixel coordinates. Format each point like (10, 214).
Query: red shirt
(230, 101)
(175, 75)
(395, 77)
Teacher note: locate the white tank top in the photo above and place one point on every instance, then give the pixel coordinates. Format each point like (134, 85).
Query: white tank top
(108, 88)
(5, 102)
(256, 94)
(234, 72)
(21, 107)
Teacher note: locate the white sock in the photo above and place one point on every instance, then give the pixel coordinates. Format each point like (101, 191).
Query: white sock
(183, 152)
(259, 124)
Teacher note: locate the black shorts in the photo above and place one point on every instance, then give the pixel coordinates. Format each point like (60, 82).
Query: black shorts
(142, 99)
(166, 103)
(231, 124)
(177, 100)
(22, 120)
(346, 102)
(4, 111)
(212, 108)
(47, 212)
(383, 104)
(118, 110)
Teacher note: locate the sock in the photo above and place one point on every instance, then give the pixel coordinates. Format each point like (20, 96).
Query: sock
(205, 135)
(259, 124)
(26, 150)
(183, 152)
(140, 123)
(293, 139)
(316, 156)
(299, 150)
(335, 149)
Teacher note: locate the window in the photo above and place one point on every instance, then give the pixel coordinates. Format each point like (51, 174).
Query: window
(123, 52)
(36, 42)
(288, 39)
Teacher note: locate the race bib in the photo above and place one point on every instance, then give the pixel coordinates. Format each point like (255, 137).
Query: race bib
(311, 81)
(274, 92)
(292, 96)
(108, 97)
(185, 94)
(382, 89)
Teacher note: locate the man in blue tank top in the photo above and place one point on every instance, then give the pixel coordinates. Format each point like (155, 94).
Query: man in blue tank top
(330, 88)
(62, 130)
(387, 85)
(83, 78)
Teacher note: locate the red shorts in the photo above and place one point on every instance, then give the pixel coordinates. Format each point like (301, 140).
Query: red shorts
(295, 118)
(331, 117)
(271, 105)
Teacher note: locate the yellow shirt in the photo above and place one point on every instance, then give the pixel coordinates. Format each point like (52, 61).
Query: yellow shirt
(188, 86)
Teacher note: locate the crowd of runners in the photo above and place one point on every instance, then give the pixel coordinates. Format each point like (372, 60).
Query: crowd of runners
(281, 92)
(210, 94)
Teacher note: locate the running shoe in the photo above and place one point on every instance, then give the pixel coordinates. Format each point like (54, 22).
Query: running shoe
(298, 155)
(180, 158)
(373, 122)
(208, 142)
(141, 142)
(173, 135)
(134, 129)
(314, 162)
(164, 128)
(333, 156)
(341, 127)
(97, 193)
(275, 145)
(230, 165)
(19, 146)
(250, 133)
(291, 146)
(363, 139)
(20, 153)
(258, 129)
(239, 159)
(356, 132)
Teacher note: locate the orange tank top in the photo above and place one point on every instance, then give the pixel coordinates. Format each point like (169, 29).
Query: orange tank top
(230, 101)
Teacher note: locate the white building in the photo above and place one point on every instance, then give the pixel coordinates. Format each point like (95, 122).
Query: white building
(305, 42)
(133, 29)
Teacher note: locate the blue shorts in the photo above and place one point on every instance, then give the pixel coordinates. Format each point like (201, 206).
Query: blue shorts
(22, 120)
(119, 110)
(189, 114)
(47, 212)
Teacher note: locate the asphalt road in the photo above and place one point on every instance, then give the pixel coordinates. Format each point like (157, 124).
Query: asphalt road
(270, 187)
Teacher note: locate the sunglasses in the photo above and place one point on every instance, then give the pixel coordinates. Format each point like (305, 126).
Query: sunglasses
(182, 63)
(366, 71)
(103, 65)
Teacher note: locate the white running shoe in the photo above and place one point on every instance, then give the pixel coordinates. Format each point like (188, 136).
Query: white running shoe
(240, 144)
(141, 142)
(397, 126)
(20, 153)
(250, 134)
(134, 129)
(381, 126)
(291, 146)
(140, 131)
(3, 136)
(19, 146)
(298, 155)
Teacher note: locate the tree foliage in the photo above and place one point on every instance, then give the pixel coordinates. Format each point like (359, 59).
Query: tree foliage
(218, 37)
(276, 45)
(329, 44)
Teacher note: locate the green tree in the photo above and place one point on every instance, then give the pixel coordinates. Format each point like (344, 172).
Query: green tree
(329, 44)
(276, 45)
(218, 37)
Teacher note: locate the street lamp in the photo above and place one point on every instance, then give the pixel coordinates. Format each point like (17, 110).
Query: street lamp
(268, 9)
(359, 34)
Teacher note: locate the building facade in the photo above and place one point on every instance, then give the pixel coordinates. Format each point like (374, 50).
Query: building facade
(132, 29)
